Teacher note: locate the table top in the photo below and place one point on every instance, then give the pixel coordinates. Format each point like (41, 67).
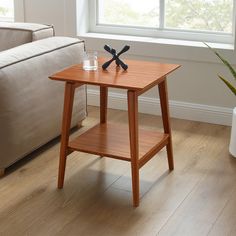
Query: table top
(139, 75)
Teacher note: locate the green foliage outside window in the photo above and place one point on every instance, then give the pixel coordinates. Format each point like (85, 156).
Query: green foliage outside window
(209, 15)
(3, 11)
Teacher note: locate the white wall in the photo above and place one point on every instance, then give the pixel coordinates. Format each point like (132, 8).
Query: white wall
(195, 83)
(60, 13)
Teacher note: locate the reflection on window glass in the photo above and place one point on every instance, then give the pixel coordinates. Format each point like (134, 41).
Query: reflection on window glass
(129, 12)
(209, 15)
(7, 9)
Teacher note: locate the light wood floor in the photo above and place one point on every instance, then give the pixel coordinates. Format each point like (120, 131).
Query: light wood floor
(197, 198)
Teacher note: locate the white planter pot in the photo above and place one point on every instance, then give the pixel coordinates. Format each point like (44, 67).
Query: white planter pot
(232, 146)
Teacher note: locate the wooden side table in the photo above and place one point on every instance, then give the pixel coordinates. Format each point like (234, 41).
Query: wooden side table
(130, 143)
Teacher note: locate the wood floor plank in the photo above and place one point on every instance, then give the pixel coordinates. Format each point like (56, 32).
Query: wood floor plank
(204, 204)
(197, 197)
(225, 224)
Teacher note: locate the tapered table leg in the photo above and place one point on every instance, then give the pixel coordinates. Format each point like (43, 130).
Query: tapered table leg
(2, 172)
(166, 120)
(66, 122)
(103, 104)
(134, 149)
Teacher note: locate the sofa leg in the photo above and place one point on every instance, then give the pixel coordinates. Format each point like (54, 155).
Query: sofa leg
(79, 125)
(2, 172)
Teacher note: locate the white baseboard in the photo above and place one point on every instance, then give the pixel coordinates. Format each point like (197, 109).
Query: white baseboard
(181, 110)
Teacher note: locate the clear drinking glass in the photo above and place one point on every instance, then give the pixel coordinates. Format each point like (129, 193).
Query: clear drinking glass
(90, 61)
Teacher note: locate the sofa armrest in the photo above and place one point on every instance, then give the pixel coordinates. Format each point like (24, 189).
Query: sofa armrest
(30, 103)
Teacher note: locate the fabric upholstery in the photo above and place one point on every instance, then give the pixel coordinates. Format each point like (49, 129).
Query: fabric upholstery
(21, 33)
(30, 103)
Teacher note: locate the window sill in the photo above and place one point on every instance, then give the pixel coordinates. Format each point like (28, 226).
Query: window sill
(160, 48)
(6, 19)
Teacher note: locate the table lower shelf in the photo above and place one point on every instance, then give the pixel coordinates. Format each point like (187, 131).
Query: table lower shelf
(112, 140)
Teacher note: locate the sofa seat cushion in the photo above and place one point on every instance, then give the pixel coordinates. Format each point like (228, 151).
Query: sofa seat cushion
(15, 34)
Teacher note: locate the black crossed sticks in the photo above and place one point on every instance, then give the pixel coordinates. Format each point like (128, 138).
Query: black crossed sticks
(115, 57)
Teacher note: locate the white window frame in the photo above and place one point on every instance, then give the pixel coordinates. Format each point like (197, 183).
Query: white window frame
(19, 10)
(6, 19)
(160, 32)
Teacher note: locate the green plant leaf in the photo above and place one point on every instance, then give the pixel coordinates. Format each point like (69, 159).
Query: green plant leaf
(233, 72)
(229, 85)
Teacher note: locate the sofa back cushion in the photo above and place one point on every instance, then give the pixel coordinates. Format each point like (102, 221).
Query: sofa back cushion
(15, 34)
(35, 49)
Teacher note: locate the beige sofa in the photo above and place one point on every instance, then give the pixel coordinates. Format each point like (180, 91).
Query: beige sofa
(30, 103)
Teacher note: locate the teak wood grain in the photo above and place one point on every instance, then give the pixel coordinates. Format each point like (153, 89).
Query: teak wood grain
(140, 74)
(66, 121)
(129, 144)
(112, 140)
(166, 120)
(103, 104)
(134, 143)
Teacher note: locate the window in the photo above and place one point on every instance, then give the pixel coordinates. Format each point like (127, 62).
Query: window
(6, 10)
(200, 20)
